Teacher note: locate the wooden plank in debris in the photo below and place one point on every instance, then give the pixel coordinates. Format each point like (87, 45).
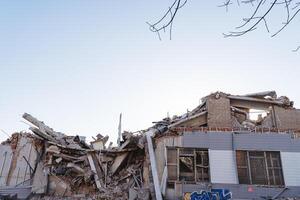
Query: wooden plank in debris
(195, 120)
(93, 168)
(76, 168)
(69, 158)
(125, 144)
(99, 167)
(141, 142)
(118, 162)
(71, 147)
(42, 134)
(41, 125)
(262, 95)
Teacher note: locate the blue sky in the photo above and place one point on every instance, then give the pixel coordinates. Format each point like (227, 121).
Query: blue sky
(77, 64)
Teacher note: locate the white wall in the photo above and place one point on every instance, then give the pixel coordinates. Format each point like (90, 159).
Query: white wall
(222, 166)
(291, 168)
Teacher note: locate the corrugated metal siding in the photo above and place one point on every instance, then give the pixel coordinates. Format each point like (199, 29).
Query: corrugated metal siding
(291, 168)
(5, 161)
(266, 142)
(211, 140)
(241, 141)
(222, 166)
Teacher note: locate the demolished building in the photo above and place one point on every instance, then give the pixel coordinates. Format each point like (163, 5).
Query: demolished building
(216, 151)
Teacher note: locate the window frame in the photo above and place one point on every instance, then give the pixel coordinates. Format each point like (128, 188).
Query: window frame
(196, 165)
(267, 168)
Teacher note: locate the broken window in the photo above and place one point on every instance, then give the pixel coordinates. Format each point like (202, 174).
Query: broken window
(172, 164)
(187, 164)
(259, 167)
(202, 166)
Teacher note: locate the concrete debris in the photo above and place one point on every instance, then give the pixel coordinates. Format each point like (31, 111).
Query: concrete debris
(52, 163)
(47, 164)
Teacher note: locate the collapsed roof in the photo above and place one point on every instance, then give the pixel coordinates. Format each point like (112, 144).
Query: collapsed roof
(233, 112)
(51, 163)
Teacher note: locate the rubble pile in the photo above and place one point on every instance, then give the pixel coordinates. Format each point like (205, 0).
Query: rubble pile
(47, 164)
(222, 111)
(66, 166)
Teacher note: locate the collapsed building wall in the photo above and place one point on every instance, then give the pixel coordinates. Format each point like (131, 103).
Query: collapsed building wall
(287, 119)
(50, 163)
(207, 152)
(18, 160)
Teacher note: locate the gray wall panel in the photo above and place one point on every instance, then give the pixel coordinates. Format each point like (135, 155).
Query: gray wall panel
(241, 141)
(195, 140)
(267, 142)
(220, 141)
(211, 140)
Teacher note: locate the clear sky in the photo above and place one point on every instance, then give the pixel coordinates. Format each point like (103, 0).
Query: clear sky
(77, 64)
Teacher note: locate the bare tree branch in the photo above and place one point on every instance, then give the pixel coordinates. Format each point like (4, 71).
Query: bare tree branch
(297, 49)
(167, 22)
(234, 34)
(260, 15)
(226, 4)
(254, 13)
(286, 23)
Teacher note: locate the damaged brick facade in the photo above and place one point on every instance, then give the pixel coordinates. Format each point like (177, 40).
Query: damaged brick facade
(229, 147)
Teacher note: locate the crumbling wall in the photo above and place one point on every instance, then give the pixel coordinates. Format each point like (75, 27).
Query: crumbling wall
(23, 161)
(160, 151)
(18, 160)
(287, 119)
(219, 114)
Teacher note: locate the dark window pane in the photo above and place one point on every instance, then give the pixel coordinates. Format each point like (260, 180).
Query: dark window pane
(276, 163)
(202, 174)
(273, 159)
(205, 174)
(186, 168)
(261, 174)
(278, 177)
(243, 176)
(199, 157)
(171, 185)
(275, 155)
(269, 159)
(199, 174)
(258, 171)
(256, 154)
(205, 159)
(241, 158)
(202, 158)
(271, 175)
